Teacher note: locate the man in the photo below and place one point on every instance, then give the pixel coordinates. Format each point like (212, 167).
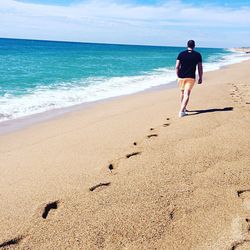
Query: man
(185, 69)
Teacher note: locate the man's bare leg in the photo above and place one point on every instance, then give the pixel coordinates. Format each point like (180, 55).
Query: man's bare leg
(182, 95)
(185, 100)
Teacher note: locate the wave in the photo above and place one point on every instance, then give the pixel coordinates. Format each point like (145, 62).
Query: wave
(218, 61)
(68, 94)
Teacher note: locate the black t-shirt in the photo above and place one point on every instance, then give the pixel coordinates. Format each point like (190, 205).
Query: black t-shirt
(189, 60)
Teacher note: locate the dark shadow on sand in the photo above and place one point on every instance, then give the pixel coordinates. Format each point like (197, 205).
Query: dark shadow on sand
(202, 111)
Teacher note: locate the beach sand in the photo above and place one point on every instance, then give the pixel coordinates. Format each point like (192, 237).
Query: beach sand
(129, 174)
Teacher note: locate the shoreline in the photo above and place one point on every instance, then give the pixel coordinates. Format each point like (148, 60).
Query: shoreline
(129, 173)
(13, 125)
(17, 124)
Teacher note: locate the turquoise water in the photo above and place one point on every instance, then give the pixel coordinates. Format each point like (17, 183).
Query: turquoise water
(36, 76)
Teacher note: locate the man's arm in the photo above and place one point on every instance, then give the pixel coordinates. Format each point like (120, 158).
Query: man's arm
(200, 72)
(177, 67)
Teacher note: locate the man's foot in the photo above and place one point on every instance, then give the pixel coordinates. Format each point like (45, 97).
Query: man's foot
(181, 114)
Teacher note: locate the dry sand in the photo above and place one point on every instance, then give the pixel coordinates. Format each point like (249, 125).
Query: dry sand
(185, 184)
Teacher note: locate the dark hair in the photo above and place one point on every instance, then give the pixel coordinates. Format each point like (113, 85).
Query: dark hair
(191, 44)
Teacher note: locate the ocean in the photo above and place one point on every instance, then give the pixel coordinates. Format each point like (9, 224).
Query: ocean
(37, 76)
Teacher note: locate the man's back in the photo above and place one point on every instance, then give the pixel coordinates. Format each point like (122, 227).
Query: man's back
(185, 69)
(188, 61)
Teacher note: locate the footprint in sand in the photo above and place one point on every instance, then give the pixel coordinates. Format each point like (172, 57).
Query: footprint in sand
(48, 207)
(166, 124)
(248, 224)
(105, 184)
(245, 196)
(111, 167)
(241, 245)
(9, 243)
(171, 215)
(240, 193)
(242, 226)
(132, 154)
(240, 232)
(152, 135)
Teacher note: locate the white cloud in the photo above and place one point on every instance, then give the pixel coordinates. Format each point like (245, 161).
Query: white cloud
(170, 23)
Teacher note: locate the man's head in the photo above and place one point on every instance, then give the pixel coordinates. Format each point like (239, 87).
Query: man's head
(191, 44)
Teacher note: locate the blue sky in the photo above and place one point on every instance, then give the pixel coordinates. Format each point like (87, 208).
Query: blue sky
(232, 3)
(210, 23)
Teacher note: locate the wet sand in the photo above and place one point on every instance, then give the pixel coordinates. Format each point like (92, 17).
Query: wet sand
(129, 174)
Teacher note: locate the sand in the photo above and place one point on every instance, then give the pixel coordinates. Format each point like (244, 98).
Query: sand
(129, 174)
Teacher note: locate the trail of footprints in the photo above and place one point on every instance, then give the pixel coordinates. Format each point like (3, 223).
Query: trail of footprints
(50, 206)
(115, 162)
(236, 95)
(136, 143)
(240, 93)
(244, 243)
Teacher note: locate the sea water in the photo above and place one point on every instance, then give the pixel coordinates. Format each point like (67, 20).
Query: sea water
(37, 76)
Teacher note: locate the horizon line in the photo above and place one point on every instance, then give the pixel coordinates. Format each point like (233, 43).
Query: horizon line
(103, 43)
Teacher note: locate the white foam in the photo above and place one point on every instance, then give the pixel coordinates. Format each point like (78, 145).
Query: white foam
(88, 90)
(234, 57)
